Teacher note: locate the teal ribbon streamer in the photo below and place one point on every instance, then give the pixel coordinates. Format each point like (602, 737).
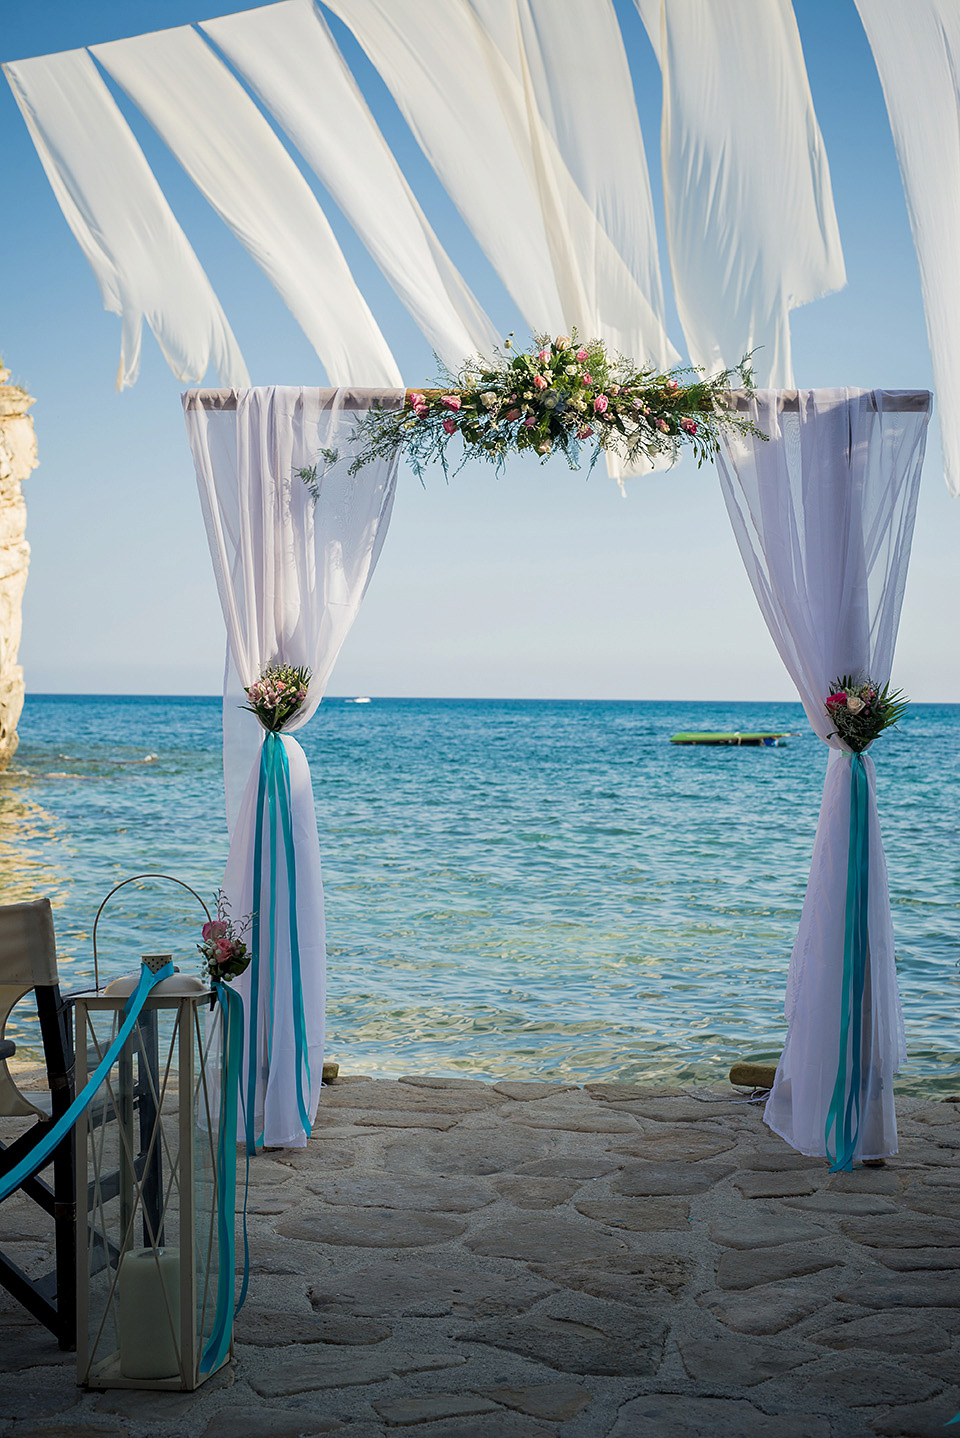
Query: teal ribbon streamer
(42, 1152)
(273, 825)
(217, 1348)
(843, 1116)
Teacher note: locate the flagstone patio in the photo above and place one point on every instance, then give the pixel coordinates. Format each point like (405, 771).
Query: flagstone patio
(453, 1259)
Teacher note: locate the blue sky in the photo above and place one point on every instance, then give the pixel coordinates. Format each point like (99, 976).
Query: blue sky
(540, 584)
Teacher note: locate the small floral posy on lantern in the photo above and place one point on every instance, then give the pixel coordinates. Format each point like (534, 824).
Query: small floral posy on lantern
(222, 943)
(861, 710)
(277, 695)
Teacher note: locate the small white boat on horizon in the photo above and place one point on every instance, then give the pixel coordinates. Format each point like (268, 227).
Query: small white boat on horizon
(360, 699)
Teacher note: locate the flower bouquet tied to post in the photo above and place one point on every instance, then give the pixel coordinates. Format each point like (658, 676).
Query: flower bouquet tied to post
(565, 396)
(861, 710)
(278, 694)
(222, 944)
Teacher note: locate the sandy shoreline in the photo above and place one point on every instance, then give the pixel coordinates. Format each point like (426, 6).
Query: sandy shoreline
(454, 1259)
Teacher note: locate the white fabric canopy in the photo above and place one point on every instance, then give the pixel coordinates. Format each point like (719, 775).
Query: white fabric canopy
(917, 52)
(823, 514)
(235, 159)
(478, 123)
(291, 573)
(751, 226)
(141, 258)
(289, 58)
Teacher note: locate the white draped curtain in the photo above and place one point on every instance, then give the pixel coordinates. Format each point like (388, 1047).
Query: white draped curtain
(917, 52)
(292, 568)
(822, 502)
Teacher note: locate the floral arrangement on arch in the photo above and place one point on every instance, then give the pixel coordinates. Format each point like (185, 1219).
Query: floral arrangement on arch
(562, 397)
(861, 710)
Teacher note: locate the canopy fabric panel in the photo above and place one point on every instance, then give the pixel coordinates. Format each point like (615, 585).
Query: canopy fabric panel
(546, 44)
(285, 52)
(823, 500)
(112, 202)
(916, 48)
(236, 161)
(751, 226)
(481, 130)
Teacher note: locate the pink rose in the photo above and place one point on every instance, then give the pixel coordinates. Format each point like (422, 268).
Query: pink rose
(512, 414)
(587, 378)
(581, 355)
(662, 426)
(215, 929)
(449, 425)
(539, 382)
(600, 404)
(672, 385)
(688, 426)
(544, 355)
(450, 401)
(416, 400)
(421, 411)
(584, 432)
(530, 422)
(224, 949)
(837, 701)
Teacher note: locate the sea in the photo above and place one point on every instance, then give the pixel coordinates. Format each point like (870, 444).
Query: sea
(514, 888)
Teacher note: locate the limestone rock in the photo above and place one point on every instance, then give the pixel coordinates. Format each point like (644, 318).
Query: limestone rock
(272, 1422)
(422, 1409)
(276, 1330)
(526, 1191)
(763, 1310)
(748, 1268)
(371, 1227)
(18, 456)
(542, 1240)
(441, 1195)
(556, 1401)
(683, 1144)
(582, 1336)
(674, 1415)
(650, 1215)
(623, 1277)
(420, 1288)
(868, 1385)
(668, 1179)
(762, 1229)
(747, 1075)
(898, 1332)
(736, 1362)
(775, 1185)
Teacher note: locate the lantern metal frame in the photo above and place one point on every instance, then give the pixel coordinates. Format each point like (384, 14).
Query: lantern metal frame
(153, 1184)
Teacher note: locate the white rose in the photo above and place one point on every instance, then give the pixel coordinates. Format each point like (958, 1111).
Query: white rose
(489, 399)
(854, 703)
(570, 369)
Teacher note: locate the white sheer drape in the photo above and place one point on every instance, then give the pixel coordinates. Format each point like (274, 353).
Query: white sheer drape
(289, 58)
(110, 198)
(236, 161)
(917, 52)
(823, 514)
(751, 226)
(475, 115)
(291, 573)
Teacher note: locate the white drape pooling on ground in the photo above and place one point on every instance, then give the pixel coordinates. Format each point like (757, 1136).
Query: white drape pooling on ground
(112, 202)
(475, 115)
(751, 226)
(288, 56)
(291, 574)
(916, 48)
(823, 514)
(240, 166)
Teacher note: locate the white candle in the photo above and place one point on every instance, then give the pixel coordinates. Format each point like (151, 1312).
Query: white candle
(149, 1313)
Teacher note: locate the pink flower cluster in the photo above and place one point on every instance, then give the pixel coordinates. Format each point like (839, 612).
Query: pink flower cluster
(222, 944)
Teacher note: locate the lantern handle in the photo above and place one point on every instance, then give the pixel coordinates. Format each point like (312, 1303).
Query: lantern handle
(132, 879)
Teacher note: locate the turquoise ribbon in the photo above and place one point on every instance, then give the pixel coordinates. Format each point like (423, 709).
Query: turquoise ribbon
(217, 1348)
(41, 1153)
(274, 813)
(843, 1115)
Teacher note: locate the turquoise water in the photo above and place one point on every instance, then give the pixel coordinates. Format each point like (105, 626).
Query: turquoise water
(514, 888)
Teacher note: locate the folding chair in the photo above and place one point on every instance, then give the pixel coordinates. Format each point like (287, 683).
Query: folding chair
(28, 960)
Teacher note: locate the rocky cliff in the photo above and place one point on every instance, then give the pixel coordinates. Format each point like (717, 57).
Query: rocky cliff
(18, 455)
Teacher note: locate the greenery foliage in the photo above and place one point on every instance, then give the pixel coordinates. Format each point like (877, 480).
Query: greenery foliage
(861, 710)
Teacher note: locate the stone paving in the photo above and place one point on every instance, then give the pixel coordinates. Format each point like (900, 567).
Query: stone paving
(452, 1259)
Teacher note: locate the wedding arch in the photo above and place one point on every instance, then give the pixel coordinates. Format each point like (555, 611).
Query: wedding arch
(821, 488)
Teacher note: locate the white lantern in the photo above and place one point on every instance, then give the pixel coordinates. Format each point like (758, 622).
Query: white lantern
(156, 1158)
